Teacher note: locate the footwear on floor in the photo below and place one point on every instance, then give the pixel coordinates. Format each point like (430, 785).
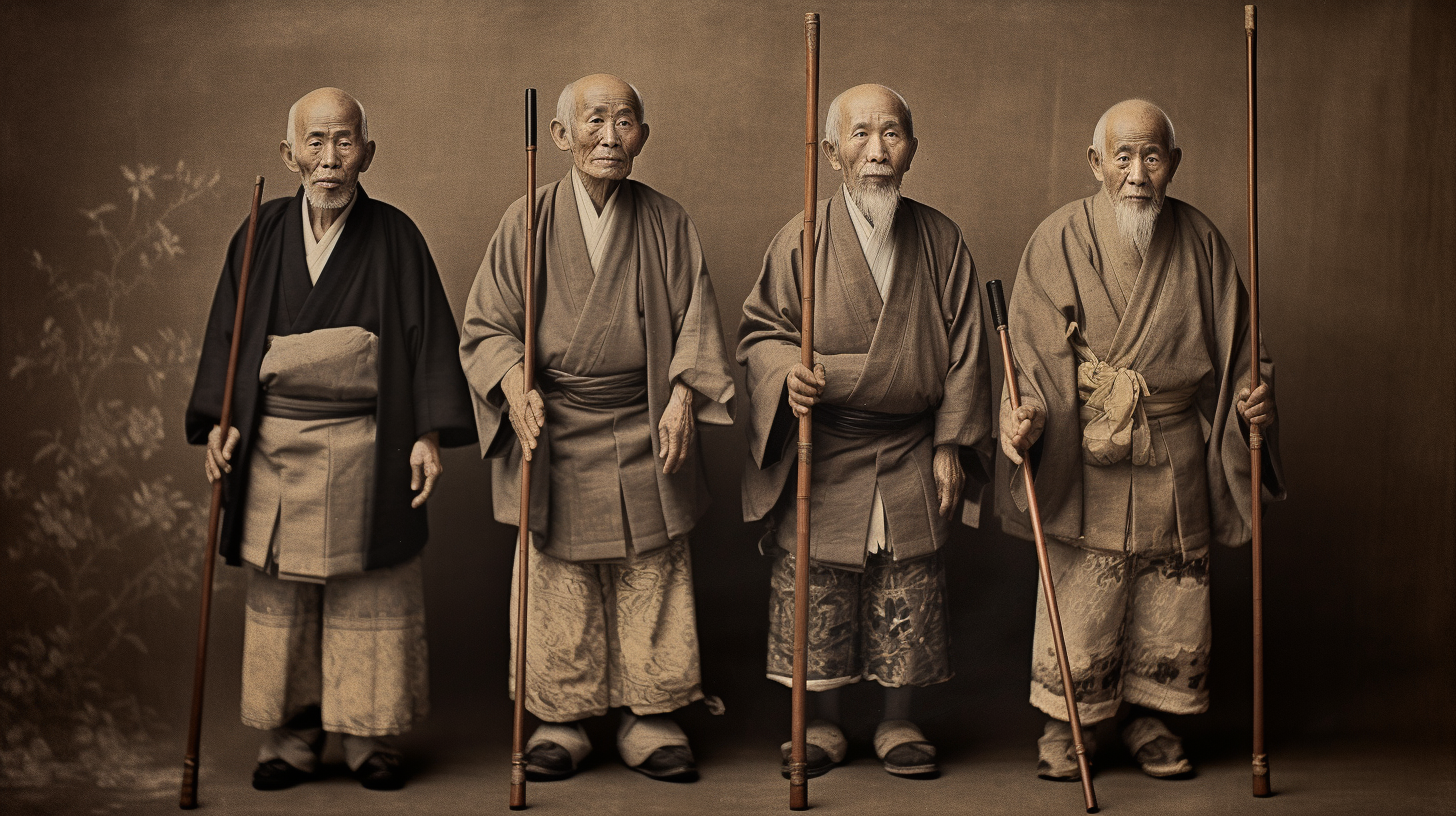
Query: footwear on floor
(555, 751)
(1057, 752)
(904, 750)
(384, 772)
(1157, 750)
(276, 774)
(825, 746)
(670, 763)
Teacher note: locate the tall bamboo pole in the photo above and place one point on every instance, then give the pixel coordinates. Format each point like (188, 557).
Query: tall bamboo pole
(798, 778)
(1256, 439)
(523, 567)
(998, 316)
(190, 761)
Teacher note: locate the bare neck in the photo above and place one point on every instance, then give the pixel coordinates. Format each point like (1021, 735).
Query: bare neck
(322, 219)
(599, 190)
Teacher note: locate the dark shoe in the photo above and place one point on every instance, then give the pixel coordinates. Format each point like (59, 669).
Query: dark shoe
(276, 774)
(546, 762)
(816, 762)
(670, 763)
(381, 772)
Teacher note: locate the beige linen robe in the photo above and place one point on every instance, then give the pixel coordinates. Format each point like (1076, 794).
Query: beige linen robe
(609, 347)
(1179, 319)
(923, 352)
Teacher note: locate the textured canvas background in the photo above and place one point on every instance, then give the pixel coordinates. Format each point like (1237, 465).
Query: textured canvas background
(1358, 227)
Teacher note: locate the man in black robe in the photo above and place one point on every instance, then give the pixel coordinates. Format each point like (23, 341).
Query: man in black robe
(348, 382)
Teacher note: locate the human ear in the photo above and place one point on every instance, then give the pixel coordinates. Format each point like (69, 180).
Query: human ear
(1174, 158)
(558, 135)
(286, 151)
(831, 154)
(1096, 162)
(368, 156)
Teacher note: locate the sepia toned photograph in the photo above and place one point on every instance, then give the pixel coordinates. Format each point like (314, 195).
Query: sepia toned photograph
(444, 407)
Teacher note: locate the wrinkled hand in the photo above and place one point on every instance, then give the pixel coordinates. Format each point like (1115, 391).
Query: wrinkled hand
(804, 387)
(219, 454)
(527, 411)
(1258, 408)
(1020, 429)
(676, 428)
(425, 466)
(950, 477)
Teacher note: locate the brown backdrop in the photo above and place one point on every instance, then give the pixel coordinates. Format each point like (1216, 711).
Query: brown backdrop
(1357, 236)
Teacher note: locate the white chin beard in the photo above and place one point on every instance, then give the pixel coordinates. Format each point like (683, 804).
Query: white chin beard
(876, 202)
(1136, 221)
(328, 199)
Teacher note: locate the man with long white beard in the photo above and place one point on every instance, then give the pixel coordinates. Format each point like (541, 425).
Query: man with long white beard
(902, 422)
(1129, 325)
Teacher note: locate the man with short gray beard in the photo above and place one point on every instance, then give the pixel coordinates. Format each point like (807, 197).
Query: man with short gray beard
(1129, 325)
(901, 406)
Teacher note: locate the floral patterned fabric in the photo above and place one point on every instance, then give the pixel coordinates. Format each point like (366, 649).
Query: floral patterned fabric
(1137, 626)
(353, 646)
(887, 624)
(609, 635)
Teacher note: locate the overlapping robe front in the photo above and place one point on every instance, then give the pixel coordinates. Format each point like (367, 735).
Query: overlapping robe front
(609, 347)
(1180, 321)
(919, 350)
(379, 278)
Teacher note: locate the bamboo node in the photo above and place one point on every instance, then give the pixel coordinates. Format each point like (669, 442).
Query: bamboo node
(798, 774)
(1261, 764)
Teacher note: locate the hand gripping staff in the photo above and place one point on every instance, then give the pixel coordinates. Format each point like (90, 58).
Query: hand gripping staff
(998, 316)
(1256, 439)
(798, 761)
(214, 516)
(523, 567)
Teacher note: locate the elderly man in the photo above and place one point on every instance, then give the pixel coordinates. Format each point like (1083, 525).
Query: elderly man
(1130, 326)
(901, 413)
(630, 356)
(347, 385)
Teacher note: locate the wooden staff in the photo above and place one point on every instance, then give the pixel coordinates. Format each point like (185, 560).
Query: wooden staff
(798, 749)
(214, 516)
(998, 316)
(523, 567)
(1256, 439)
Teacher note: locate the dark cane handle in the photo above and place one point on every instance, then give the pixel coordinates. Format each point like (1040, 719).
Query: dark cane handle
(530, 117)
(998, 304)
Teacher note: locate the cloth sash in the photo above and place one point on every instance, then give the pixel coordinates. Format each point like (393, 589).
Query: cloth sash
(608, 391)
(311, 470)
(848, 421)
(1116, 406)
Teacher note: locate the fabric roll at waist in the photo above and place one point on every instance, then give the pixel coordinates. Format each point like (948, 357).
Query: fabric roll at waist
(276, 405)
(860, 422)
(608, 391)
(1155, 406)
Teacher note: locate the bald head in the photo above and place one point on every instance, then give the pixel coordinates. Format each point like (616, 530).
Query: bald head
(597, 85)
(330, 101)
(861, 96)
(1138, 115)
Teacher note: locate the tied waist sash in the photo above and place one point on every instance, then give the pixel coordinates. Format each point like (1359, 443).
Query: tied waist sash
(277, 405)
(606, 391)
(1116, 407)
(861, 422)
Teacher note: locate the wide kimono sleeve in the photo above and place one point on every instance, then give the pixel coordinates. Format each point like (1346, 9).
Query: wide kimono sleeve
(768, 346)
(495, 322)
(963, 417)
(699, 355)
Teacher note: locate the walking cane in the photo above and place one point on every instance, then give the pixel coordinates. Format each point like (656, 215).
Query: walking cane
(523, 567)
(798, 749)
(998, 316)
(1256, 439)
(214, 516)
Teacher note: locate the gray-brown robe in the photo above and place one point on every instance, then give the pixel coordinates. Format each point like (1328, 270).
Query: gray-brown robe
(609, 347)
(1180, 320)
(921, 352)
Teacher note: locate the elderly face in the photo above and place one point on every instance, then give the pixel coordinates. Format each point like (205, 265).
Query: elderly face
(1135, 164)
(874, 147)
(328, 152)
(605, 132)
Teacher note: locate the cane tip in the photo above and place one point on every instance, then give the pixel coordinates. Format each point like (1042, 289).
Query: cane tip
(1093, 809)
(518, 807)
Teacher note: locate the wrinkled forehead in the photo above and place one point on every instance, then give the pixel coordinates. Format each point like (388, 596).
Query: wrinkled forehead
(327, 114)
(872, 106)
(606, 96)
(1136, 127)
